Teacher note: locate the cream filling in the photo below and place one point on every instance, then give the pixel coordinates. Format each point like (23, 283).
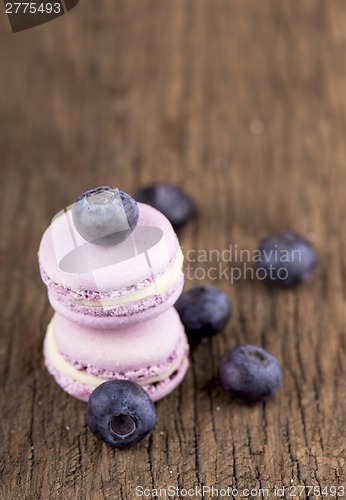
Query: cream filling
(162, 283)
(82, 376)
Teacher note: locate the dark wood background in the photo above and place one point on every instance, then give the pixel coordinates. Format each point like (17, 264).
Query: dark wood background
(243, 103)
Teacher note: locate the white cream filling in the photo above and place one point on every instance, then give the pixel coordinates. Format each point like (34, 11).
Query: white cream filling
(162, 283)
(82, 376)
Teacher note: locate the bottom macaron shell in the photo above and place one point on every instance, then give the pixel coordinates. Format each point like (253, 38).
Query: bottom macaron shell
(127, 314)
(81, 391)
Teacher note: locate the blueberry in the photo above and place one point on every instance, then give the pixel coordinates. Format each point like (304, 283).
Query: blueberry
(249, 374)
(204, 311)
(170, 200)
(286, 259)
(121, 413)
(105, 215)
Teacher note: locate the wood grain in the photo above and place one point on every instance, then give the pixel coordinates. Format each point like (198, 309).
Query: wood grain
(243, 103)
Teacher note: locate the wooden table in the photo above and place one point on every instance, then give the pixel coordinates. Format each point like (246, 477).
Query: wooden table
(243, 103)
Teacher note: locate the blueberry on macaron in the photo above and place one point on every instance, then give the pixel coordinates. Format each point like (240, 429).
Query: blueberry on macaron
(105, 215)
(249, 374)
(121, 413)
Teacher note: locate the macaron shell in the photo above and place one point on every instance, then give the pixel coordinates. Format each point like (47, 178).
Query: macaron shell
(70, 261)
(124, 315)
(83, 391)
(143, 345)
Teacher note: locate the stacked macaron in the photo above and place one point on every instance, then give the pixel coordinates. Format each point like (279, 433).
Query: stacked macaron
(113, 269)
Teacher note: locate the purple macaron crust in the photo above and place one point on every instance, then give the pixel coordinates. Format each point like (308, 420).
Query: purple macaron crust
(109, 317)
(138, 375)
(70, 295)
(155, 390)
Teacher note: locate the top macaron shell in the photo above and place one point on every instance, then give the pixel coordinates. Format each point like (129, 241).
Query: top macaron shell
(78, 272)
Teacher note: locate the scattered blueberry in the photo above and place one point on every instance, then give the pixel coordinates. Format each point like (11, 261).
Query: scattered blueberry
(249, 374)
(121, 413)
(204, 311)
(170, 200)
(105, 215)
(286, 259)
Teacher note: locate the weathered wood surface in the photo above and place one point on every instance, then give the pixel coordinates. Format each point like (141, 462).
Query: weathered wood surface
(244, 104)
